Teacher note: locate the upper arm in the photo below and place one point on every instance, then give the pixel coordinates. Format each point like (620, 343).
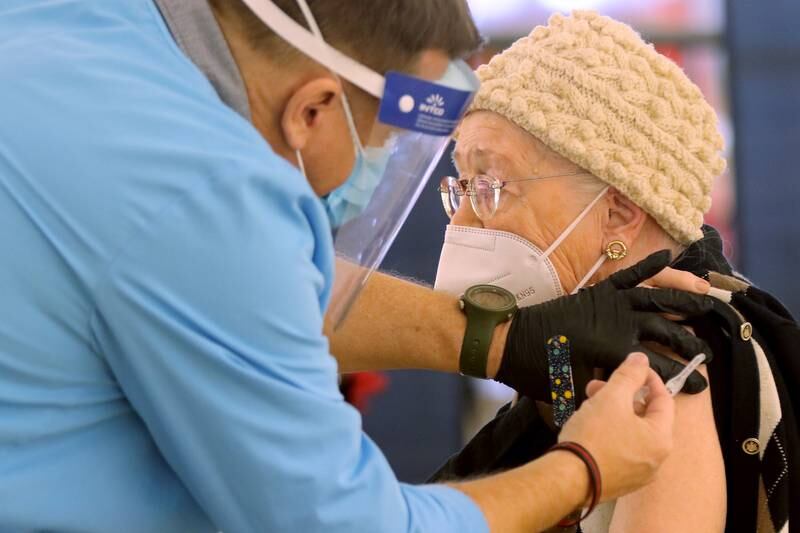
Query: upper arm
(688, 493)
(211, 321)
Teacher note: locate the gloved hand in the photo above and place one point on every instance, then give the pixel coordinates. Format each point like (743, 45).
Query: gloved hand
(604, 323)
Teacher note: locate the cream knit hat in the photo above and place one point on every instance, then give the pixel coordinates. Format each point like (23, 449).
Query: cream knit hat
(592, 90)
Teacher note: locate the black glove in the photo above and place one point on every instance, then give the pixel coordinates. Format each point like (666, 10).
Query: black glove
(604, 323)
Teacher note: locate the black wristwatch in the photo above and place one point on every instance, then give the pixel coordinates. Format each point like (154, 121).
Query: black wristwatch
(486, 306)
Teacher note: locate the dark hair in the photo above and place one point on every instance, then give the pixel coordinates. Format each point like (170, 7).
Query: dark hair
(383, 34)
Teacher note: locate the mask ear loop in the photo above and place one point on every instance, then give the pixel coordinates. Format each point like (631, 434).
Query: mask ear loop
(597, 265)
(351, 123)
(589, 274)
(574, 224)
(300, 163)
(569, 230)
(359, 148)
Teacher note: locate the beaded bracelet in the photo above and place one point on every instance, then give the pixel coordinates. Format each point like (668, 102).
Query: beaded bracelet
(594, 477)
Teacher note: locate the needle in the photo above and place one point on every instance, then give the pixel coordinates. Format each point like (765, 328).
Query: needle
(675, 384)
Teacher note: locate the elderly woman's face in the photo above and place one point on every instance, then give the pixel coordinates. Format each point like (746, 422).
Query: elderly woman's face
(537, 210)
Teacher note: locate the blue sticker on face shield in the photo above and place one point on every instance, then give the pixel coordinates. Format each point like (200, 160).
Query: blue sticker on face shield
(418, 105)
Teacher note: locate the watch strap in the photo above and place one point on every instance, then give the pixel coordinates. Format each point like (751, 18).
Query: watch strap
(477, 340)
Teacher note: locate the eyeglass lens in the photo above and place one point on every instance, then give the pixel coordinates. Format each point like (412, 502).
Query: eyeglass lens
(483, 192)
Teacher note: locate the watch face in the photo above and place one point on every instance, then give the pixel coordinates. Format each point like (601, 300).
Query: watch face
(492, 298)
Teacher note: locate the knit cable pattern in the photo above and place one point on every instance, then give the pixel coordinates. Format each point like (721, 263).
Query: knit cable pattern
(592, 90)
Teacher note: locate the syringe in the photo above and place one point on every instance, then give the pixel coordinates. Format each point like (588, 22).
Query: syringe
(675, 384)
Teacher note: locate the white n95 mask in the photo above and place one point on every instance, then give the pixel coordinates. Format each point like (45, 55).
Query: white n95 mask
(475, 256)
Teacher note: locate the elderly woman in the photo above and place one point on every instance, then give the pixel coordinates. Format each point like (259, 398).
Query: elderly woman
(585, 152)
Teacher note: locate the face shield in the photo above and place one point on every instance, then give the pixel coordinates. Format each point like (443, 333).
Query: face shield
(415, 123)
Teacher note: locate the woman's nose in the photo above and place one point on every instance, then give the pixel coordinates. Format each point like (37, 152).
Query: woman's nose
(465, 215)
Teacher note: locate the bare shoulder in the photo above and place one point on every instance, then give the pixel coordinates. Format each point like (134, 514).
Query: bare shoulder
(689, 492)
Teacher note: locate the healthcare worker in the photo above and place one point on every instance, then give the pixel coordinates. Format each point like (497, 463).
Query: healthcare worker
(171, 174)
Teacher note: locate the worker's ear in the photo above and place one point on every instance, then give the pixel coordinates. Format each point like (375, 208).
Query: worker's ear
(310, 110)
(624, 219)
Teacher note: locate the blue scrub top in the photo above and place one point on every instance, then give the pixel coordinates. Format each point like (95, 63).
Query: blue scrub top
(162, 287)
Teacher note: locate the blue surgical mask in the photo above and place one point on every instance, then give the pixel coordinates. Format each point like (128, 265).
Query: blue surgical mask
(350, 199)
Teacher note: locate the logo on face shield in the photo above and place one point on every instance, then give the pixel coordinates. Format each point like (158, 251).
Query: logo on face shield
(434, 104)
(406, 103)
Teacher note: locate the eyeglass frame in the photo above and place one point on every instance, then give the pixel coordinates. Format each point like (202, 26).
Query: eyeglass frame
(497, 184)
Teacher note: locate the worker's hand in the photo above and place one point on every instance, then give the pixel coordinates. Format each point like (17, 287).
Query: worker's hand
(629, 448)
(603, 324)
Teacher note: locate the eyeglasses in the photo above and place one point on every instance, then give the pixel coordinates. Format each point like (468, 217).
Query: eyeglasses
(483, 191)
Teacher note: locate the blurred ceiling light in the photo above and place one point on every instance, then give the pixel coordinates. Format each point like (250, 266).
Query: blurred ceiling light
(493, 9)
(569, 5)
(516, 17)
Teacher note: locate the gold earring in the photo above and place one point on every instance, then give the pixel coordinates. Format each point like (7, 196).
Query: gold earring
(616, 250)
